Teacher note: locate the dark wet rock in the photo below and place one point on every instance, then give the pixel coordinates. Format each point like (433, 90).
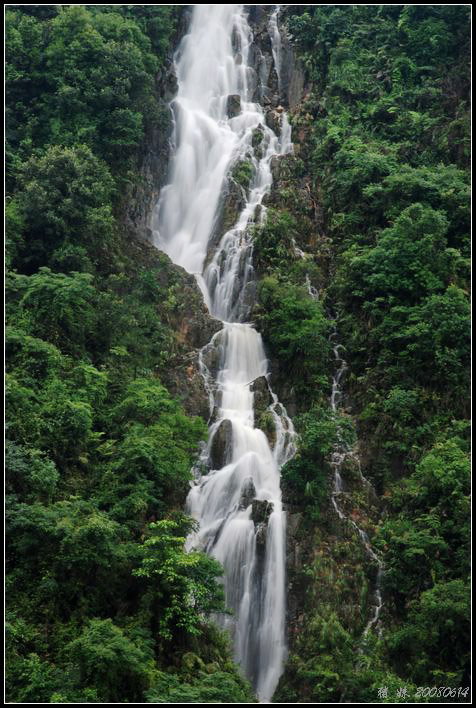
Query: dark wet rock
(232, 202)
(221, 444)
(154, 160)
(293, 79)
(276, 167)
(350, 472)
(258, 17)
(261, 510)
(233, 105)
(198, 327)
(261, 536)
(262, 396)
(292, 85)
(248, 493)
(248, 297)
(274, 119)
(211, 357)
(284, 389)
(261, 57)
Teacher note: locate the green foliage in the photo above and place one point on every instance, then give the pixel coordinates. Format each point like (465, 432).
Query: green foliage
(216, 687)
(408, 261)
(60, 308)
(182, 583)
(325, 675)
(384, 136)
(273, 241)
(305, 478)
(65, 202)
(242, 173)
(84, 75)
(103, 603)
(109, 660)
(29, 473)
(161, 452)
(442, 187)
(296, 330)
(426, 545)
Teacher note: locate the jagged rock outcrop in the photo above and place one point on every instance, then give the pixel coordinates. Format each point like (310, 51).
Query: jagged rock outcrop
(231, 204)
(291, 85)
(293, 80)
(233, 105)
(143, 196)
(264, 419)
(248, 492)
(221, 445)
(261, 510)
(262, 396)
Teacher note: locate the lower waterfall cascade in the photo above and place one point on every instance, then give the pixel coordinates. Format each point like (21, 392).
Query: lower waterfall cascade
(237, 502)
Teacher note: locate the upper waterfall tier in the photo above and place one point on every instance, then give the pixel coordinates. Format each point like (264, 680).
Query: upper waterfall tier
(212, 65)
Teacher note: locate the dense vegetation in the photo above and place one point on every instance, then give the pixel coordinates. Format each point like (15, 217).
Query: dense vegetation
(385, 149)
(103, 603)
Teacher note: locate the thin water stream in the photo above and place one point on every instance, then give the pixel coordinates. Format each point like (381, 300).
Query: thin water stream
(341, 452)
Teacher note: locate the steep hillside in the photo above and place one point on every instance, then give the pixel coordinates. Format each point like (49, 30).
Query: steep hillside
(366, 246)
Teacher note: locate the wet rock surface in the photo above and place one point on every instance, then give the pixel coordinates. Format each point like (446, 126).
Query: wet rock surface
(262, 396)
(221, 445)
(233, 105)
(232, 203)
(153, 170)
(261, 510)
(248, 492)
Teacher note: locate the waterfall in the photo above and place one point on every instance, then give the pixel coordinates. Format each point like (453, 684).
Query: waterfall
(238, 501)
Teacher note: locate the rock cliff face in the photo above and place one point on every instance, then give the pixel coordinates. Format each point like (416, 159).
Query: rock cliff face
(154, 160)
(288, 89)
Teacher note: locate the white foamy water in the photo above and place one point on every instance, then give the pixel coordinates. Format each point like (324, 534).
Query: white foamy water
(238, 505)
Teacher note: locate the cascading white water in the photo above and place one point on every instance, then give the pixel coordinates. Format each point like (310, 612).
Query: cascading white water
(238, 505)
(276, 42)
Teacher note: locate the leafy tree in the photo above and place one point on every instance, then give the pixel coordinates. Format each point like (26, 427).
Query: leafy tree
(182, 584)
(64, 199)
(305, 478)
(109, 662)
(408, 261)
(297, 331)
